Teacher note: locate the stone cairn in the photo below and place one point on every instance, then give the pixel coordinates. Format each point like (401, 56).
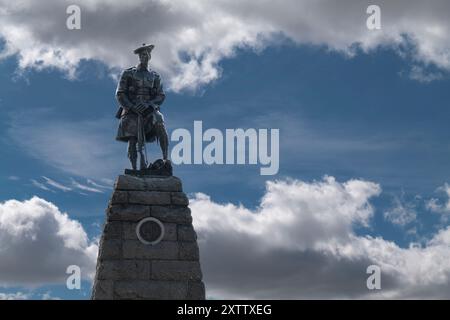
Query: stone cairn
(148, 249)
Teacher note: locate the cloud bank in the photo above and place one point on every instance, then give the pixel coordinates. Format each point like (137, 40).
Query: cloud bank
(301, 243)
(38, 242)
(192, 37)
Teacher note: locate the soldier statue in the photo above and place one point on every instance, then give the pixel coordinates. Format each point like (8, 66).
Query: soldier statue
(140, 95)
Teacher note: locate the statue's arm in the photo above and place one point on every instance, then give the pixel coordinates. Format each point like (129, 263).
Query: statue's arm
(122, 91)
(160, 95)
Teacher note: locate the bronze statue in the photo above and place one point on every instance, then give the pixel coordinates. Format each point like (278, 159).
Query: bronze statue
(140, 95)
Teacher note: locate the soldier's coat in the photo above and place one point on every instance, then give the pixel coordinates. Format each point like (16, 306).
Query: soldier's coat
(135, 85)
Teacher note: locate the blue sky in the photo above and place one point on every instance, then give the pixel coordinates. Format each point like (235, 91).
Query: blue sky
(357, 117)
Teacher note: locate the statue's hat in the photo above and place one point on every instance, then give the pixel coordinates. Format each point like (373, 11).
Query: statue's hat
(146, 47)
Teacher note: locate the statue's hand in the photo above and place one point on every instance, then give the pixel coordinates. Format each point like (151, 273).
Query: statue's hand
(140, 108)
(152, 106)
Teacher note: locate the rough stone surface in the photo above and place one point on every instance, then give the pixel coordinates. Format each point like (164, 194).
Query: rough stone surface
(196, 290)
(112, 230)
(127, 182)
(129, 269)
(170, 231)
(119, 197)
(103, 290)
(151, 289)
(172, 214)
(111, 249)
(176, 270)
(188, 250)
(149, 197)
(128, 212)
(186, 233)
(180, 199)
(124, 269)
(134, 249)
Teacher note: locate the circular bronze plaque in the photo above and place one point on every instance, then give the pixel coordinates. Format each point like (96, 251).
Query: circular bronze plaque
(150, 231)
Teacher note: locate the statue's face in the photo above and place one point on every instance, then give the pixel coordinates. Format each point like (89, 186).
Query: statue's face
(144, 57)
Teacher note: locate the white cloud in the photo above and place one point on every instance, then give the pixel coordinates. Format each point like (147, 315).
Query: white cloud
(193, 37)
(39, 185)
(420, 74)
(436, 206)
(401, 213)
(48, 296)
(85, 187)
(38, 242)
(27, 296)
(14, 296)
(300, 243)
(75, 186)
(98, 185)
(56, 185)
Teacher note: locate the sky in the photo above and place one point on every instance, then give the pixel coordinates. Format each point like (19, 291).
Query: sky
(363, 122)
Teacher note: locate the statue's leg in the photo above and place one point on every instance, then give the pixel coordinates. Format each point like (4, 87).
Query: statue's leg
(161, 132)
(132, 152)
(163, 139)
(143, 162)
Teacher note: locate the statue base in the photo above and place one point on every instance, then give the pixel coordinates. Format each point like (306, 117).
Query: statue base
(148, 249)
(157, 168)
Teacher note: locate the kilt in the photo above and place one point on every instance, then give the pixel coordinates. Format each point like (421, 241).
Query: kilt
(128, 127)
